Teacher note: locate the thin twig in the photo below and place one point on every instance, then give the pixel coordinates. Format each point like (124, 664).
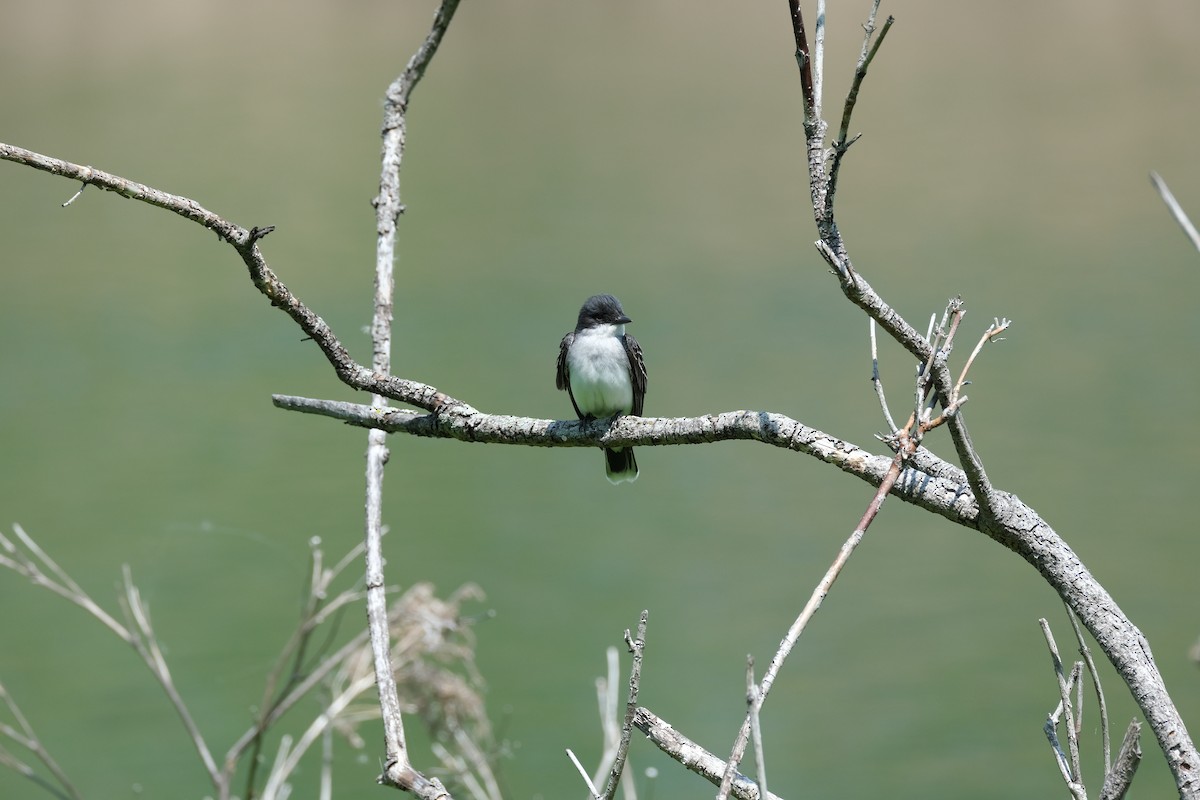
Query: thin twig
(865, 58)
(481, 783)
(1051, 731)
(1086, 652)
(146, 643)
(28, 739)
(760, 761)
(61, 583)
(606, 701)
(878, 383)
(278, 690)
(954, 397)
(637, 645)
(803, 61)
(693, 756)
(286, 703)
(997, 327)
(271, 790)
(941, 343)
(245, 242)
(1071, 771)
(293, 652)
(1176, 210)
(288, 761)
(819, 60)
(326, 778)
(1076, 788)
(18, 766)
(140, 635)
(810, 608)
(583, 772)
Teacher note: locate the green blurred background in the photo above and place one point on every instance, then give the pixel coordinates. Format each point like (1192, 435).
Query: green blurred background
(557, 149)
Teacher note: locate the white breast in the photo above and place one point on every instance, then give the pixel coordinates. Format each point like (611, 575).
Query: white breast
(599, 369)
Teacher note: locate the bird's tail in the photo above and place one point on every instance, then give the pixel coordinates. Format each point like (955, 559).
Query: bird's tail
(620, 465)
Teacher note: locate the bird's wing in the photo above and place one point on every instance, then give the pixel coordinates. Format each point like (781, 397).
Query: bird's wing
(562, 377)
(637, 373)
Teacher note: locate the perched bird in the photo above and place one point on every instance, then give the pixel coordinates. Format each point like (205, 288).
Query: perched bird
(601, 367)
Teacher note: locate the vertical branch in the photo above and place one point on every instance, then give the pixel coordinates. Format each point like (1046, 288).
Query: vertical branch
(878, 383)
(860, 73)
(814, 129)
(398, 769)
(1176, 210)
(760, 761)
(1071, 770)
(819, 60)
(804, 62)
(1086, 652)
(637, 644)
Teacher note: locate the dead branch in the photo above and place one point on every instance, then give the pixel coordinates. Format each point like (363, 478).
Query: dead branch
(693, 756)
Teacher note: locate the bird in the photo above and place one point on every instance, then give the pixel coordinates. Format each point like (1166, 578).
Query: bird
(601, 367)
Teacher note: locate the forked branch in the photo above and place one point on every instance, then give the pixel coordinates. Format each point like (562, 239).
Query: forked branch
(1002, 517)
(398, 769)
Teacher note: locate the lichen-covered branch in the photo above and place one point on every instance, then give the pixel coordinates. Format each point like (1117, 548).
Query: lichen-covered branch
(398, 769)
(1000, 515)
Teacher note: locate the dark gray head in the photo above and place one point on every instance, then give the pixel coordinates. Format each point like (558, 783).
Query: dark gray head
(601, 309)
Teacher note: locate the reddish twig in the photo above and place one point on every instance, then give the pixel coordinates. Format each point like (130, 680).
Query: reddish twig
(810, 608)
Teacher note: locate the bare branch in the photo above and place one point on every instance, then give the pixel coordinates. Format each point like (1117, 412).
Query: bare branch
(637, 644)
(998, 327)
(860, 71)
(804, 62)
(27, 738)
(1118, 779)
(58, 581)
(819, 60)
(470, 766)
(188, 209)
(1176, 210)
(810, 608)
(1086, 652)
(583, 772)
(282, 691)
(878, 383)
(606, 702)
(693, 756)
(998, 516)
(288, 701)
(1071, 772)
(146, 643)
(326, 784)
(245, 242)
(844, 141)
(752, 700)
(288, 758)
(943, 492)
(398, 770)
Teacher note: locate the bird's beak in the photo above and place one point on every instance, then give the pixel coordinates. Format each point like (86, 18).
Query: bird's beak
(624, 320)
